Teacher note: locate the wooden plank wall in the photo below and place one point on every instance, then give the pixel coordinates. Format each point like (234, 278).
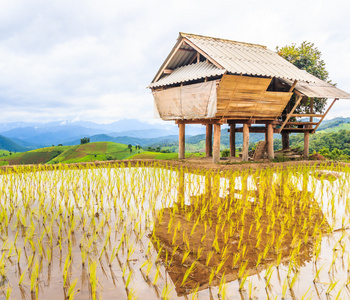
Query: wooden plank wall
(242, 96)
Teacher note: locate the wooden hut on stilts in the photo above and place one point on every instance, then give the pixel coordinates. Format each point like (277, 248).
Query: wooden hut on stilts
(214, 81)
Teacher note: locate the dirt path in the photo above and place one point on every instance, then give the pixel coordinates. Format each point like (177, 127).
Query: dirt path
(190, 163)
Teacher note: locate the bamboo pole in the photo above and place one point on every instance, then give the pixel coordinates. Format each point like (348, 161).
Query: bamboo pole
(208, 140)
(245, 142)
(233, 139)
(216, 147)
(306, 144)
(181, 141)
(270, 152)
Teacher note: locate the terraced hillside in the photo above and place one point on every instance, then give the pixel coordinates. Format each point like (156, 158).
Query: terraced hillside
(99, 151)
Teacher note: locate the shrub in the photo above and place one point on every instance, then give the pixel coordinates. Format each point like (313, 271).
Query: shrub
(225, 153)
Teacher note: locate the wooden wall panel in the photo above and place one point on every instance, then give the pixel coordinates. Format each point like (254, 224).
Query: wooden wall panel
(241, 96)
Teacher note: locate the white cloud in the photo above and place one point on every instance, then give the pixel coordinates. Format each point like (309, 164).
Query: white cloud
(93, 59)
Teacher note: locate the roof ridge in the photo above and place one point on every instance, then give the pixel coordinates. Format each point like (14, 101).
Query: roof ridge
(183, 34)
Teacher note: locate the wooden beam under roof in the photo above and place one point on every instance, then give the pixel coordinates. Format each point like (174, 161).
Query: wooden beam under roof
(188, 42)
(293, 86)
(187, 50)
(302, 123)
(307, 115)
(201, 121)
(256, 129)
(160, 72)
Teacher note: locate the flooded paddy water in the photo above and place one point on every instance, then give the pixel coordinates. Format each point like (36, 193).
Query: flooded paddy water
(165, 233)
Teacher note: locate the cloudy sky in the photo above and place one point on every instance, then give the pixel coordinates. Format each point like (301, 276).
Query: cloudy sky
(92, 60)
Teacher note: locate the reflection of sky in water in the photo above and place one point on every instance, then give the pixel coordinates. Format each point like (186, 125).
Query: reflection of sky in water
(167, 184)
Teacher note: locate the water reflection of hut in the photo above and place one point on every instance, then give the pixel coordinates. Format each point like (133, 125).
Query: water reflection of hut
(214, 226)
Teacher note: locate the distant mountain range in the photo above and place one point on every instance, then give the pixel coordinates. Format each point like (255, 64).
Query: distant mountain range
(37, 135)
(10, 145)
(21, 136)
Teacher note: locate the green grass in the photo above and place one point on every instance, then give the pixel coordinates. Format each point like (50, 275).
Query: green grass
(342, 126)
(4, 153)
(165, 156)
(90, 152)
(99, 151)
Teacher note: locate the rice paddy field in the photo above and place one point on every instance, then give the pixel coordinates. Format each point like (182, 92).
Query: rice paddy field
(160, 232)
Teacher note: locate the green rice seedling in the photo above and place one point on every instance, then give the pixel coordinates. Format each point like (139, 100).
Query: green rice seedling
(268, 275)
(34, 278)
(186, 254)
(210, 255)
(235, 259)
(284, 289)
(67, 264)
(93, 279)
(331, 286)
(293, 281)
(112, 257)
(219, 267)
(242, 268)
(242, 281)
(8, 292)
(149, 268)
(21, 278)
(71, 291)
(166, 291)
(222, 287)
(212, 275)
(156, 276)
(216, 244)
(188, 272)
(318, 271)
(128, 279)
(199, 252)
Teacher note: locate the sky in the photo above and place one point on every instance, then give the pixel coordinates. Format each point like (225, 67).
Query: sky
(92, 60)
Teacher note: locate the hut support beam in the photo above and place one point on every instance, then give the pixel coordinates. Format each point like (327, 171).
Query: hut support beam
(181, 140)
(324, 115)
(306, 144)
(232, 139)
(208, 140)
(270, 152)
(216, 148)
(245, 142)
(290, 114)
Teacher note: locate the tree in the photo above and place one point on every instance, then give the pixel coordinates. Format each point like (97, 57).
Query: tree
(130, 148)
(84, 140)
(306, 57)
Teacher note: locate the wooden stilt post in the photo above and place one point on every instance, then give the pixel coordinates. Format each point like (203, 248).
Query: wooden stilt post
(232, 139)
(270, 152)
(306, 144)
(208, 140)
(181, 187)
(245, 142)
(208, 181)
(216, 148)
(181, 140)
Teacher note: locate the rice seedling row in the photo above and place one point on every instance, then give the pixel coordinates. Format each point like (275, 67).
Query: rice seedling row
(165, 233)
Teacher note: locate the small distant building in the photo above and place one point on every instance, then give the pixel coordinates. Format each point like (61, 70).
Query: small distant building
(214, 81)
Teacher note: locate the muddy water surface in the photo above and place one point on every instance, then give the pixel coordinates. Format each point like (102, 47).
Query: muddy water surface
(151, 233)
